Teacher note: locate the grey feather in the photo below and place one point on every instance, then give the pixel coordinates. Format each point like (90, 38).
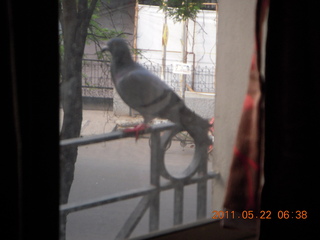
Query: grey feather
(149, 95)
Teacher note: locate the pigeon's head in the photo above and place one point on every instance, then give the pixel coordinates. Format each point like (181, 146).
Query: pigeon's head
(118, 47)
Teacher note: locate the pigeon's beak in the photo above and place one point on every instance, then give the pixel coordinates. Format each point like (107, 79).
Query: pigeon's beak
(105, 49)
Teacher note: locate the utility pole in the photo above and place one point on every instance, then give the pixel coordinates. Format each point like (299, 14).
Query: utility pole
(165, 35)
(184, 51)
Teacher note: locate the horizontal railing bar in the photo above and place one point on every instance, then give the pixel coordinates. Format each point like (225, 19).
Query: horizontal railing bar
(112, 135)
(95, 60)
(74, 207)
(97, 87)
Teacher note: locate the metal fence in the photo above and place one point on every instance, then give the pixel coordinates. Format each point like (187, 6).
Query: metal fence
(201, 78)
(196, 173)
(96, 78)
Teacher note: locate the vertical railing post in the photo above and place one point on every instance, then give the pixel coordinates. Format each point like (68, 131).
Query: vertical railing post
(154, 213)
(178, 204)
(202, 186)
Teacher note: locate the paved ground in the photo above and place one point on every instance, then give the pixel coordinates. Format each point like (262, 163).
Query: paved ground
(118, 166)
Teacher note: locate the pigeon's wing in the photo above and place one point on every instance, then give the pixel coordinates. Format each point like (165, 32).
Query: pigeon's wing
(145, 92)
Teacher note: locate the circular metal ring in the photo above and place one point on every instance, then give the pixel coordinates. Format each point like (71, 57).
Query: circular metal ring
(199, 155)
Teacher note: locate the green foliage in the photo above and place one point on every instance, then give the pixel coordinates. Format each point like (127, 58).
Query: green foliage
(181, 10)
(96, 33)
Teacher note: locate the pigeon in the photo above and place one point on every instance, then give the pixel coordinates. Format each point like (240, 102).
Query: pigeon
(150, 96)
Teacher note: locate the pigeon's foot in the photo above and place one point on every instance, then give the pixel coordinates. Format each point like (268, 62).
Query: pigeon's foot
(137, 129)
(210, 133)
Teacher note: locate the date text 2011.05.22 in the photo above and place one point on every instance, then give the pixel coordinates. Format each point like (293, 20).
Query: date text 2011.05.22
(262, 214)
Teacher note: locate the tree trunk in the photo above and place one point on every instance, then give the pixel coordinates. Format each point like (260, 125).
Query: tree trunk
(74, 18)
(71, 100)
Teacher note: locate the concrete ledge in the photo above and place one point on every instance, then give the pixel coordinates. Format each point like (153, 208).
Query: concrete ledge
(201, 103)
(97, 103)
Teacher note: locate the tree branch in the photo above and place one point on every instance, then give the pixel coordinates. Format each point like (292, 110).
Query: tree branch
(92, 7)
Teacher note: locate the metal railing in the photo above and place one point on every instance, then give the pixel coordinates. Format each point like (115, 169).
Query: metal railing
(196, 173)
(201, 79)
(96, 79)
(97, 83)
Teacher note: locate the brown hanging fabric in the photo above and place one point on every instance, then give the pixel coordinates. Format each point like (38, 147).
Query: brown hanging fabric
(244, 185)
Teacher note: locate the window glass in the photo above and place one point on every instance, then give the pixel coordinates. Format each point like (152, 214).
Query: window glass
(116, 183)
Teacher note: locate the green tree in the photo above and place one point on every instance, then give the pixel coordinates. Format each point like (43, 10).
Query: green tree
(181, 10)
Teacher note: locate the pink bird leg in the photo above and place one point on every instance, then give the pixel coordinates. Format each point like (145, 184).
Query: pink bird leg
(211, 130)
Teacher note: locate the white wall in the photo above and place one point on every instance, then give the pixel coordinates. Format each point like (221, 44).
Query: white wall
(234, 48)
(149, 36)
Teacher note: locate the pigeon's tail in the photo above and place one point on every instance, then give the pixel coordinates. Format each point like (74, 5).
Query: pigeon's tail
(195, 125)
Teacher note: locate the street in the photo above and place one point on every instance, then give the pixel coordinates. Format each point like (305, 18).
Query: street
(118, 166)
